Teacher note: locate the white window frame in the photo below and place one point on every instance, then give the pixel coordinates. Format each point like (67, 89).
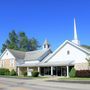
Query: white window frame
(12, 62)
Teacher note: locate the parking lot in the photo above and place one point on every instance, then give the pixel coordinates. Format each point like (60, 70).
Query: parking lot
(39, 84)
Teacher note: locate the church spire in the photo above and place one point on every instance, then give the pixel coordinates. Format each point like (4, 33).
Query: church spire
(75, 31)
(76, 41)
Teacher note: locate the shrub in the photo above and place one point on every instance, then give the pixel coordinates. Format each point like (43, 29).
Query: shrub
(35, 74)
(4, 71)
(25, 73)
(83, 73)
(13, 72)
(72, 72)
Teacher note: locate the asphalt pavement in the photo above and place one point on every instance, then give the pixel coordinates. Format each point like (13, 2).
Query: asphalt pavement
(39, 84)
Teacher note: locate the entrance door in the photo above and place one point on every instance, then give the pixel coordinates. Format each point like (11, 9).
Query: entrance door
(60, 71)
(64, 71)
(57, 71)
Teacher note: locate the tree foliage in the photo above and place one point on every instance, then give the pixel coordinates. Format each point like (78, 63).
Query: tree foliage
(86, 46)
(20, 41)
(72, 72)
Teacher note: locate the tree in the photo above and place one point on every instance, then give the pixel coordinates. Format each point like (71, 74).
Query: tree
(86, 46)
(33, 44)
(23, 41)
(20, 42)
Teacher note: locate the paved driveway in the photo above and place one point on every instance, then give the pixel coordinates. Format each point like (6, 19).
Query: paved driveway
(39, 84)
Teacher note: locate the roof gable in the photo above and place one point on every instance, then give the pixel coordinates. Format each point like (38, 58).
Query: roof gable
(6, 55)
(62, 45)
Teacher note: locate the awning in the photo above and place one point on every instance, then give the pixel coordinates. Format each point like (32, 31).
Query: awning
(59, 63)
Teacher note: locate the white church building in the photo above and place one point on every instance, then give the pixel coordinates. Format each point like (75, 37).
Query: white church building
(69, 54)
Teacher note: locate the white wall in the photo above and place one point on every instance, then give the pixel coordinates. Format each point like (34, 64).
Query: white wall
(7, 55)
(75, 54)
(27, 62)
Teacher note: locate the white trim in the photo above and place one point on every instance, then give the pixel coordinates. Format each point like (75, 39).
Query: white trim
(5, 52)
(71, 43)
(11, 62)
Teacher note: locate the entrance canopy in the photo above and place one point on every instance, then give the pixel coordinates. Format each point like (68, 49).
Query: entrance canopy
(58, 63)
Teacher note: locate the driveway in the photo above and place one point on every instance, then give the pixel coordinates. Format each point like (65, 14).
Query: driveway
(39, 84)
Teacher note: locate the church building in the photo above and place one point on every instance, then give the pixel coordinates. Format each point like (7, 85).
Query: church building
(59, 63)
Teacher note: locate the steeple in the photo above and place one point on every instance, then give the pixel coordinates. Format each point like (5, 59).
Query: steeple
(46, 45)
(76, 41)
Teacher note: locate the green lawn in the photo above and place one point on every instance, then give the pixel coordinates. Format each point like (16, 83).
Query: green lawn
(76, 78)
(21, 77)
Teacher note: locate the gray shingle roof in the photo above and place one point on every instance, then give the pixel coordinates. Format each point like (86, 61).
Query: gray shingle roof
(17, 54)
(31, 55)
(34, 55)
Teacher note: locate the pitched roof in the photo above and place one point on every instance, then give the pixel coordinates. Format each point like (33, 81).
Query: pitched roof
(17, 54)
(31, 55)
(34, 55)
(71, 43)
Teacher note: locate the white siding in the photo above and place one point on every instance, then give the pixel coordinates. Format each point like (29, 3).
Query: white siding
(27, 62)
(74, 54)
(7, 55)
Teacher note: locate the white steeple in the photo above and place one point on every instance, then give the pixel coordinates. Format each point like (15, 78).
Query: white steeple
(46, 45)
(76, 41)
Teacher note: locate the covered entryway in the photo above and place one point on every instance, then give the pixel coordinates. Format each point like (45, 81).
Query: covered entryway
(54, 70)
(59, 71)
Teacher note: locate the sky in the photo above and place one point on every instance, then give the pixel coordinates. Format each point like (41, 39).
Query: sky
(46, 19)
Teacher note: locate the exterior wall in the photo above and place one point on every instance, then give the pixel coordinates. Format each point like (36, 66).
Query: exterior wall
(26, 62)
(24, 69)
(8, 61)
(7, 55)
(75, 54)
(81, 66)
(7, 64)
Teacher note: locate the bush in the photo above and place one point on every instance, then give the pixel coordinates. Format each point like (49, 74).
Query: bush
(13, 72)
(25, 73)
(72, 72)
(4, 71)
(35, 74)
(83, 73)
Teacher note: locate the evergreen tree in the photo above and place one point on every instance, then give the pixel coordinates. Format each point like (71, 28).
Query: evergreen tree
(20, 42)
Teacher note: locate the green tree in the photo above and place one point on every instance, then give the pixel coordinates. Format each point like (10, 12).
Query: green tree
(23, 41)
(86, 46)
(20, 42)
(33, 44)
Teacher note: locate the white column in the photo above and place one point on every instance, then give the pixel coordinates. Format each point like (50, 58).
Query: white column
(18, 71)
(52, 70)
(67, 71)
(39, 70)
(27, 70)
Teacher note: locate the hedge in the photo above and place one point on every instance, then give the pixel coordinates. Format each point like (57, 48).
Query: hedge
(13, 72)
(4, 71)
(35, 74)
(83, 73)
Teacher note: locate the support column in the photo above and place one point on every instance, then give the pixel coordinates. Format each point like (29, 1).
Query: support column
(39, 70)
(27, 70)
(67, 71)
(18, 71)
(51, 70)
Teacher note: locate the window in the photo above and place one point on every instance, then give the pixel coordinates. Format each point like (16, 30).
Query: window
(2, 63)
(44, 46)
(12, 62)
(7, 53)
(68, 52)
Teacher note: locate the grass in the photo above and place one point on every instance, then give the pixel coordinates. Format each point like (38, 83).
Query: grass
(22, 77)
(76, 78)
